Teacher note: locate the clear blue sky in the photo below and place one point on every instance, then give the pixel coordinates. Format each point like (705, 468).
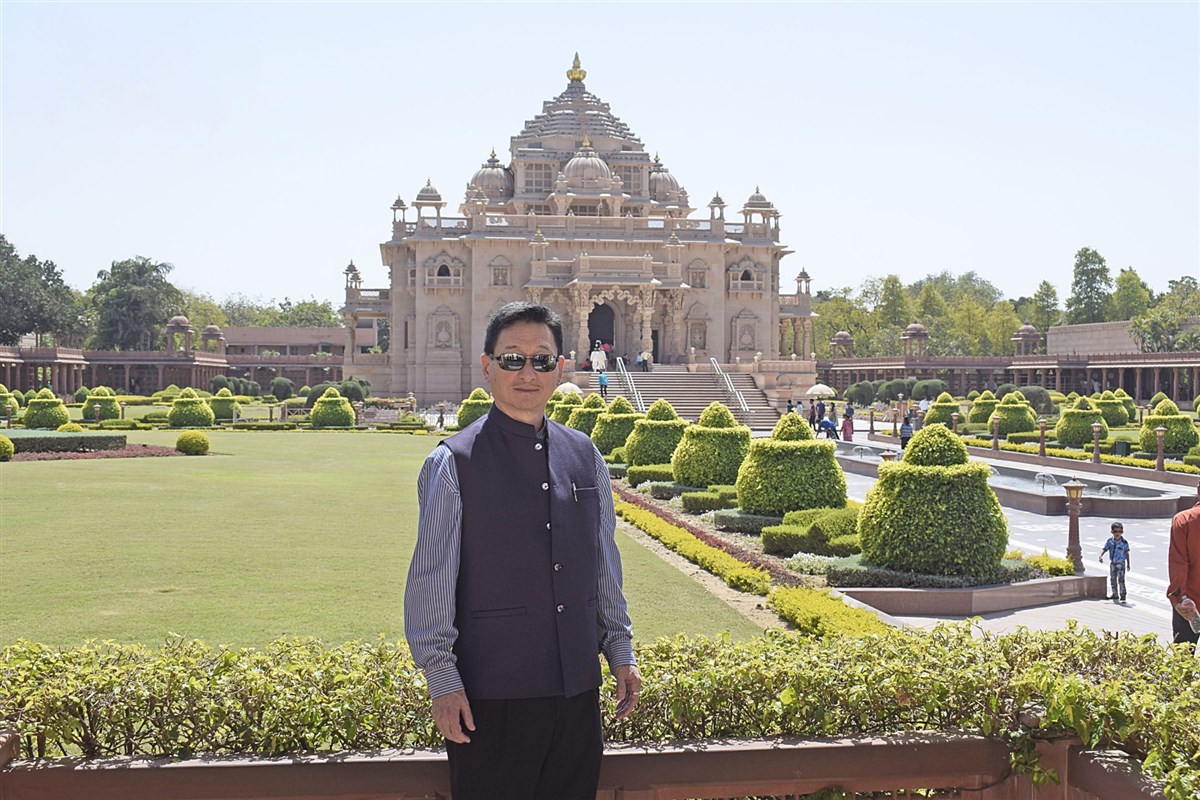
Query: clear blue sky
(258, 146)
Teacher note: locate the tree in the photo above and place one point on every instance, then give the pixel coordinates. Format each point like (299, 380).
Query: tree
(1091, 286)
(201, 310)
(1182, 297)
(249, 312)
(893, 308)
(133, 301)
(1043, 308)
(967, 335)
(999, 325)
(242, 311)
(33, 298)
(1132, 296)
(310, 313)
(1155, 331)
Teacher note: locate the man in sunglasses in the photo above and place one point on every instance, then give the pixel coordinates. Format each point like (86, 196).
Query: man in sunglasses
(515, 584)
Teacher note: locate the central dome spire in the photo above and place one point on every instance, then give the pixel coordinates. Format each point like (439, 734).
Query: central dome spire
(576, 73)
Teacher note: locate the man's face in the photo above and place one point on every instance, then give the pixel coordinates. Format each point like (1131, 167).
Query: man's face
(522, 395)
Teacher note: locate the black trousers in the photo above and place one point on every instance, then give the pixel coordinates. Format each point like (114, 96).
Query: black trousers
(1182, 629)
(541, 748)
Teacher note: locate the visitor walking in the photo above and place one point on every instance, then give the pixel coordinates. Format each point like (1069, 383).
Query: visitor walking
(1183, 573)
(647, 357)
(790, 406)
(906, 432)
(848, 426)
(1118, 561)
(820, 410)
(603, 379)
(812, 415)
(599, 358)
(505, 616)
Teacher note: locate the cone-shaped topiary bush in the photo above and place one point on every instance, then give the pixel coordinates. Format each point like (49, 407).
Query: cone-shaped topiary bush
(1074, 428)
(584, 417)
(942, 409)
(552, 403)
(46, 411)
(933, 512)
(477, 403)
(981, 409)
(614, 426)
(192, 443)
(6, 448)
(570, 401)
(190, 411)
(109, 409)
(1128, 402)
(332, 411)
(1180, 435)
(1158, 398)
(223, 403)
(1112, 409)
(655, 438)
(791, 470)
(1014, 414)
(712, 450)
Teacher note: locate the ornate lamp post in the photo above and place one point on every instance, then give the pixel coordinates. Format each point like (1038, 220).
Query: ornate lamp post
(954, 422)
(1096, 426)
(872, 418)
(9, 410)
(1074, 491)
(96, 412)
(1041, 437)
(1160, 432)
(888, 456)
(358, 411)
(996, 432)
(122, 404)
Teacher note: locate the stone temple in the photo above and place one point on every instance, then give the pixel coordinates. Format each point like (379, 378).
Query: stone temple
(583, 219)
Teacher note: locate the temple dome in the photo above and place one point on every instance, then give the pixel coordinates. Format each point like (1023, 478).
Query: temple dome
(429, 194)
(916, 329)
(1028, 331)
(759, 201)
(212, 330)
(179, 321)
(493, 179)
(586, 165)
(664, 188)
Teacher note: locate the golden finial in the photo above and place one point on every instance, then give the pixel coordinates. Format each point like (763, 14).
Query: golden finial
(576, 72)
(656, 160)
(587, 142)
(493, 153)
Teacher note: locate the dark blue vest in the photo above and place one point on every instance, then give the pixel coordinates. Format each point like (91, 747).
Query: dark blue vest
(527, 582)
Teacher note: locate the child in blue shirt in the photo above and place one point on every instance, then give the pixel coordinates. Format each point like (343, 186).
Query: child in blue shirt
(1118, 561)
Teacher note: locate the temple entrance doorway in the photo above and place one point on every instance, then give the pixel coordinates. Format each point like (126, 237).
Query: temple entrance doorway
(602, 325)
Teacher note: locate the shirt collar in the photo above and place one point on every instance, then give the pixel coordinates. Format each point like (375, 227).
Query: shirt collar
(516, 428)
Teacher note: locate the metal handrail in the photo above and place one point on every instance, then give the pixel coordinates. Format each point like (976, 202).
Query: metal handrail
(742, 409)
(631, 387)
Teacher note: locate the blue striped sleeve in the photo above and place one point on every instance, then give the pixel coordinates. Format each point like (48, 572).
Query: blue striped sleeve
(429, 595)
(612, 617)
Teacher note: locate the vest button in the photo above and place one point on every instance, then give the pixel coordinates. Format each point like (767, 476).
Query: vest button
(561, 609)
(545, 486)
(558, 567)
(547, 526)
(537, 446)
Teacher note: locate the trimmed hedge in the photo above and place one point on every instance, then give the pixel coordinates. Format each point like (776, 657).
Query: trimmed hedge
(934, 512)
(104, 397)
(6, 448)
(223, 404)
(193, 443)
(1179, 437)
(668, 490)
(331, 410)
(476, 404)
(982, 408)
(821, 531)
(1128, 402)
(54, 442)
(791, 470)
(46, 411)
(942, 409)
(1074, 428)
(613, 427)
(816, 612)
(655, 437)
(1112, 409)
(583, 418)
(569, 402)
(1014, 414)
(640, 473)
(856, 571)
(712, 450)
(734, 519)
(700, 502)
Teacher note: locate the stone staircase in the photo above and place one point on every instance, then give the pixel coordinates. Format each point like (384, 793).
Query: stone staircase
(691, 392)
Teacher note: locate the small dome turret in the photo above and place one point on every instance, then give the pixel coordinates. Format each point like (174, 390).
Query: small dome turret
(758, 201)
(586, 167)
(664, 188)
(493, 179)
(428, 193)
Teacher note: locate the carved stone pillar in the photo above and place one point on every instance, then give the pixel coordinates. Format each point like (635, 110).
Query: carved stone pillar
(582, 301)
(646, 306)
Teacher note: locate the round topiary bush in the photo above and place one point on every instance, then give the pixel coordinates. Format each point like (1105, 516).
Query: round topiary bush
(70, 427)
(8, 398)
(80, 394)
(583, 418)
(569, 402)
(861, 393)
(1004, 389)
(1128, 402)
(189, 410)
(46, 411)
(982, 408)
(656, 436)
(1158, 398)
(1074, 428)
(973, 395)
(614, 426)
(942, 410)
(104, 397)
(223, 404)
(304, 390)
(477, 404)
(332, 411)
(6, 448)
(1180, 435)
(552, 402)
(1014, 415)
(712, 450)
(1040, 399)
(789, 471)
(933, 512)
(928, 389)
(1112, 409)
(192, 443)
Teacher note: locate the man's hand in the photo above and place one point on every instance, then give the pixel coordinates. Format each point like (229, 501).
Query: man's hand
(629, 683)
(452, 713)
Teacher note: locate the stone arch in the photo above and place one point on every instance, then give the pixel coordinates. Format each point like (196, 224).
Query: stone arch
(443, 328)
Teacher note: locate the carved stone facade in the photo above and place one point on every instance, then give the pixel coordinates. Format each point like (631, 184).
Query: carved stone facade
(583, 220)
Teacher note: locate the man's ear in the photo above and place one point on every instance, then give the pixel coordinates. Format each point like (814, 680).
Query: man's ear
(485, 364)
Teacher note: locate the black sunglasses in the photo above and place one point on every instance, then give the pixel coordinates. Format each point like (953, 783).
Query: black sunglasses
(515, 362)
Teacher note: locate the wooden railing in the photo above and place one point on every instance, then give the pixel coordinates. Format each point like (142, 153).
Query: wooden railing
(954, 766)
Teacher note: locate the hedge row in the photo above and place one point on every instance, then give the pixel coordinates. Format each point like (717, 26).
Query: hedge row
(54, 442)
(1079, 455)
(1109, 690)
(818, 613)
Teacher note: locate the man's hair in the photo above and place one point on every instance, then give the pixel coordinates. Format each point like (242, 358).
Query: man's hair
(522, 311)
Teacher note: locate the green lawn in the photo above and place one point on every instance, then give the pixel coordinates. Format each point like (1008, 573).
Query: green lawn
(271, 534)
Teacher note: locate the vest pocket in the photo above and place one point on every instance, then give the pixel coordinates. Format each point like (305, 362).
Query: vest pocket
(484, 613)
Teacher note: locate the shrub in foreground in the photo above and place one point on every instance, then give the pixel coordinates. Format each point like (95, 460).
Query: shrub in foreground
(190, 411)
(790, 470)
(712, 450)
(583, 418)
(476, 404)
(192, 443)
(46, 411)
(1179, 437)
(654, 438)
(6, 448)
(1074, 428)
(943, 409)
(332, 410)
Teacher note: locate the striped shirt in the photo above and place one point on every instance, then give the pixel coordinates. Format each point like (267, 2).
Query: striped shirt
(429, 596)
